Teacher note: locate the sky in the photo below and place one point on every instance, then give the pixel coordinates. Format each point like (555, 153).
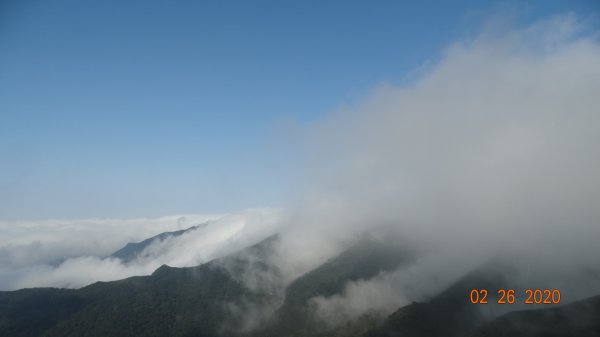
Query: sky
(144, 109)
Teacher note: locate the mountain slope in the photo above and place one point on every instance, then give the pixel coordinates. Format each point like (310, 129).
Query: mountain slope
(362, 261)
(451, 313)
(30, 312)
(448, 314)
(581, 318)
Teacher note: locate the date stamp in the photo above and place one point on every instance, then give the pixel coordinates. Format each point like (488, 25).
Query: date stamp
(507, 296)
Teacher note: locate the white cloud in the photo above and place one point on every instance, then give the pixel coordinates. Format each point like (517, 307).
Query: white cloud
(24, 243)
(494, 150)
(498, 143)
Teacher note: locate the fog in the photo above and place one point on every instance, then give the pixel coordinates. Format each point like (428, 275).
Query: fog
(493, 151)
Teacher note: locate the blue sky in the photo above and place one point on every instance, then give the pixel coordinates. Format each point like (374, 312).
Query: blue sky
(145, 108)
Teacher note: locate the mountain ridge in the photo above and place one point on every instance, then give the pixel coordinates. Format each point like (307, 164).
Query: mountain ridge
(132, 250)
(215, 298)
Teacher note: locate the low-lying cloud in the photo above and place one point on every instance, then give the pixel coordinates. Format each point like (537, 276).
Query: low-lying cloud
(24, 243)
(75, 253)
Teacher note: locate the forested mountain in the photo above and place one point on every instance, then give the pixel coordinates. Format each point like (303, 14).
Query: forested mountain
(216, 299)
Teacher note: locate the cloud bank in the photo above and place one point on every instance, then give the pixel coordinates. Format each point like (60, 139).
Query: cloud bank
(24, 243)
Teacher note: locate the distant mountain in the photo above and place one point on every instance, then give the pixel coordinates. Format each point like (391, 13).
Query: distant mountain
(133, 249)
